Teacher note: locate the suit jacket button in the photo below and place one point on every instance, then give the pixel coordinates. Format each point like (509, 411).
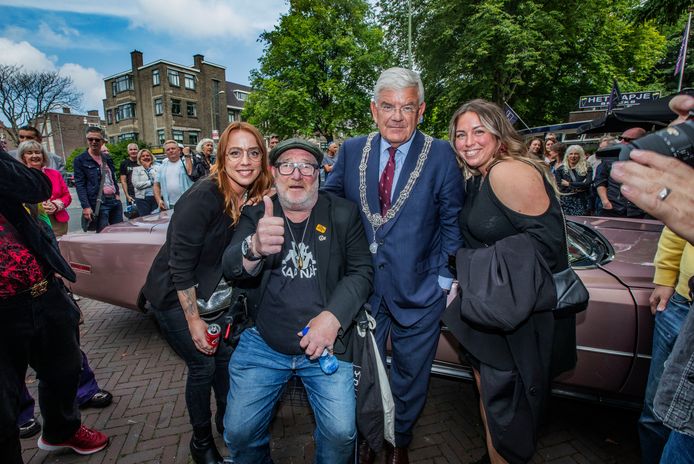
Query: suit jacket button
(533, 390)
(381, 266)
(381, 242)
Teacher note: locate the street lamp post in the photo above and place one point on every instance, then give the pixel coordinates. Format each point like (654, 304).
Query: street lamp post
(213, 113)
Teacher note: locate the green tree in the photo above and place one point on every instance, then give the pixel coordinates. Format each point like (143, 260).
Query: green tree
(539, 56)
(318, 67)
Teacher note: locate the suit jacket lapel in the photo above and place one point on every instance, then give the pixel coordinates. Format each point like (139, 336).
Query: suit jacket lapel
(410, 163)
(407, 168)
(372, 175)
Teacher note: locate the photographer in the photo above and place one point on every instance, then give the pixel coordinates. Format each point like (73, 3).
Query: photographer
(38, 320)
(663, 187)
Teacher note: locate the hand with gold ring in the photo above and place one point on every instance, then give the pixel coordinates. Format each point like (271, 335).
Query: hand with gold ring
(662, 186)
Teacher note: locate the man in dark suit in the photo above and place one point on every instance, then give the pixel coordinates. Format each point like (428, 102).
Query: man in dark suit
(409, 189)
(305, 264)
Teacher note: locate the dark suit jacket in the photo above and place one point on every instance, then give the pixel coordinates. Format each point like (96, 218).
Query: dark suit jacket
(19, 185)
(198, 233)
(343, 260)
(414, 246)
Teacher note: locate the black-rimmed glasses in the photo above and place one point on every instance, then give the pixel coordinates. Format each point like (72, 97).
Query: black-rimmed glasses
(306, 169)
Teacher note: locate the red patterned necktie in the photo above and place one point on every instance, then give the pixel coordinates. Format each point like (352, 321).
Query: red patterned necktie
(385, 185)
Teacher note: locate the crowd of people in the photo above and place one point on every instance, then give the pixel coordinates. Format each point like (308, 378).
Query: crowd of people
(305, 240)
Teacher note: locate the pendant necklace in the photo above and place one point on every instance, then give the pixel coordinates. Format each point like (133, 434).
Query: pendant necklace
(375, 219)
(297, 249)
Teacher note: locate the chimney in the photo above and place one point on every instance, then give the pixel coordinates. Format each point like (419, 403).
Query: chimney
(136, 59)
(197, 61)
(66, 110)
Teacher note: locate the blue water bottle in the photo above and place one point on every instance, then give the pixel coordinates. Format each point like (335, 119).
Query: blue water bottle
(328, 362)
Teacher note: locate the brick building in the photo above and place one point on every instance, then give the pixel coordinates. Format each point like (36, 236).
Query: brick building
(163, 100)
(62, 131)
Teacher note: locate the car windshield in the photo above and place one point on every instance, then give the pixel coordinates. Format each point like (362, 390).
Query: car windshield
(587, 247)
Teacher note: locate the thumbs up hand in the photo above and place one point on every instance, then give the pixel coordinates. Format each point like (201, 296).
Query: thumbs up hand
(269, 236)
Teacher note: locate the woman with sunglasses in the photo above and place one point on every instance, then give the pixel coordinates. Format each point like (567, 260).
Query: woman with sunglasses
(186, 276)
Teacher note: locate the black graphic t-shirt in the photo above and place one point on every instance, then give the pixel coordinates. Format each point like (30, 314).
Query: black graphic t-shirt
(292, 296)
(126, 169)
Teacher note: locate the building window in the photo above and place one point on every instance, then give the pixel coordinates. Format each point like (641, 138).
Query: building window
(192, 138)
(109, 116)
(176, 107)
(178, 136)
(156, 80)
(173, 78)
(122, 84)
(241, 96)
(158, 107)
(231, 116)
(127, 136)
(161, 136)
(190, 82)
(125, 111)
(192, 110)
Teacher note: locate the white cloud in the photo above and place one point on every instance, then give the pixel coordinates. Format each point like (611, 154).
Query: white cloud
(240, 19)
(87, 80)
(24, 54)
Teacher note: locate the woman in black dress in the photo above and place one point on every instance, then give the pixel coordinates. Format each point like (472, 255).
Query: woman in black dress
(188, 271)
(507, 193)
(574, 177)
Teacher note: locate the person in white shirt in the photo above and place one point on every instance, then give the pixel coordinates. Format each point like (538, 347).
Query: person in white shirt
(173, 177)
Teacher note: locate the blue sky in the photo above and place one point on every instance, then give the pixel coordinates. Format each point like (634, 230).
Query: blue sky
(89, 40)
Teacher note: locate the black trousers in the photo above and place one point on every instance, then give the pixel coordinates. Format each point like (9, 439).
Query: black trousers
(41, 332)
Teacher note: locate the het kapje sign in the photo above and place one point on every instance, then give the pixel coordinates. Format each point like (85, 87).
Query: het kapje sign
(600, 102)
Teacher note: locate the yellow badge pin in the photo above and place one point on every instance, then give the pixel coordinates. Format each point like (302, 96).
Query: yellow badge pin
(321, 228)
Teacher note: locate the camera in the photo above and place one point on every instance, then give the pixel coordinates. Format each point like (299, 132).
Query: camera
(676, 141)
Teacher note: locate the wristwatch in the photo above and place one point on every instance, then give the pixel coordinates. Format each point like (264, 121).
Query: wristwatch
(247, 250)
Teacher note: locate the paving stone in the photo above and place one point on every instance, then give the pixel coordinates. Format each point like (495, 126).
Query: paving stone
(148, 421)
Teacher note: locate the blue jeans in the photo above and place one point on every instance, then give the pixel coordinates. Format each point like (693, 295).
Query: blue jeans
(652, 433)
(110, 212)
(679, 449)
(258, 374)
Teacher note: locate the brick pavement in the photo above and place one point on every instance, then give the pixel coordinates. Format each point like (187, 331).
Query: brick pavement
(148, 423)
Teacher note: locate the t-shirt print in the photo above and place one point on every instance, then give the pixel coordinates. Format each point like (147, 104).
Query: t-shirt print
(302, 264)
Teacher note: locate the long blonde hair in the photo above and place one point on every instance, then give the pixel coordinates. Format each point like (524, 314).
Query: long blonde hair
(510, 143)
(218, 173)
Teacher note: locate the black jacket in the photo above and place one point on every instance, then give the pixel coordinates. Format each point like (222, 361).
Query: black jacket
(506, 296)
(620, 205)
(19, 185)
(198, 233)
(344, 265)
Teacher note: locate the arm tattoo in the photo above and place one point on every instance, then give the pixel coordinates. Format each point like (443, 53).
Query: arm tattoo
(188, 302)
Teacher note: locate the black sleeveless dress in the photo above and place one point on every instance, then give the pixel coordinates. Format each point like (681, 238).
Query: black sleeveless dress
(516, 367)
(484, 220)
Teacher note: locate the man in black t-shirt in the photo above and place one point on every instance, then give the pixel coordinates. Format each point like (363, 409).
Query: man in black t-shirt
(304, 261)
(126, 172)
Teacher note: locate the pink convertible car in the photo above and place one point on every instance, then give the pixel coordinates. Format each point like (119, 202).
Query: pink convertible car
(614, 258)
